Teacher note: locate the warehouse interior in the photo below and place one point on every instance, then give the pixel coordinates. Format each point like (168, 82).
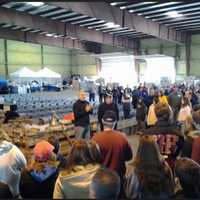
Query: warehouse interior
(167, 36)
(62, 62)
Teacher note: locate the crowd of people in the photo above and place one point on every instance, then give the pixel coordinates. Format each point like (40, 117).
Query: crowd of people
(166, 165)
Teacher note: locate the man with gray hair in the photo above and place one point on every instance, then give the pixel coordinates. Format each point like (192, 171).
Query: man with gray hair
(82, 109)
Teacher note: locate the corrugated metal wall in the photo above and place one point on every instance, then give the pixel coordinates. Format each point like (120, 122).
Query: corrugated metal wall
(35, 56)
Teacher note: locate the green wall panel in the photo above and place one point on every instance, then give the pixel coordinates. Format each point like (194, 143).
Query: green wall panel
(56, 59)
(85, 70)
(56, 50)
(14, 67)
(83, 59)
(195, 52)
(169, 51)
(195, 40)
(1, 45)
(2, 70)
(24, 58)
(181, 67)
(2, 57)
(23, 47)
(195, 68)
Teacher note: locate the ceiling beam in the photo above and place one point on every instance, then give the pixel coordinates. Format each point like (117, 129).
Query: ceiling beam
(26, 20)
(103, 11)
(17, 35)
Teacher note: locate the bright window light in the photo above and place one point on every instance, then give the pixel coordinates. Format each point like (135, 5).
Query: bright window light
(112, 25)
(174, 14)
(159, 67)
(35, 3)
(114, 67)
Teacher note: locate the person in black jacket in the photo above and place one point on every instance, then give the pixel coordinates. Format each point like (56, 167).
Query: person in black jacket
(5, 191)
(141, 112)
(82, 109)
(106, 106)
(11, 114)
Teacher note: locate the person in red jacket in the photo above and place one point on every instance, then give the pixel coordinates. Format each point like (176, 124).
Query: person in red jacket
(114, 147)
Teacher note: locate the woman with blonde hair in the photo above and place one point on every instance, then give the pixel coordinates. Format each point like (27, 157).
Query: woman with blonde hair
(151, 176)
(82, 163)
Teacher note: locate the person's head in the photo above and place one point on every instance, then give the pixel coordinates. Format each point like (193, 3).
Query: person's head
(82, 153)
(53, 140)
(150, 168)
(148, 152)
(43, 151)
(82, 95)
(162, 111)
(108, 99)
(43, 155)
(41, 121)
(140, 100)
(155, 100)
(161, 93)
(13, 108)
(188, 172)
(109, 119)
(105, 185)
(185, 101)
(196, 119)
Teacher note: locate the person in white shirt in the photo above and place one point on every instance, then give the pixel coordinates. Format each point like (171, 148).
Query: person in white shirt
(12, 162)
(1, 102)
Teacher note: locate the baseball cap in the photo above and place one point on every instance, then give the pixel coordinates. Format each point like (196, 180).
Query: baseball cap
(43, 151)
(109, 117)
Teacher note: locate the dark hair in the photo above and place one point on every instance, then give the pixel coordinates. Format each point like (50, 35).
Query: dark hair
(188, 172)
(53, 140)
(83, 153)
(154, 175)
(156, 99)
(162, 111)
(105, 184)
(186, 101)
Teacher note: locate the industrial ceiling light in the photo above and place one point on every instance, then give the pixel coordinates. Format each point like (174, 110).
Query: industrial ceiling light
(122, 7)
(49, 35)
(112, 25)
(113, 3)
(35, 3)
(174, 14)
(130, 11)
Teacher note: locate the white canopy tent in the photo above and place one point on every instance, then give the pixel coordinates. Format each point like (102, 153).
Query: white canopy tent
(23, 73)
(23, 76)
(46, 75)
